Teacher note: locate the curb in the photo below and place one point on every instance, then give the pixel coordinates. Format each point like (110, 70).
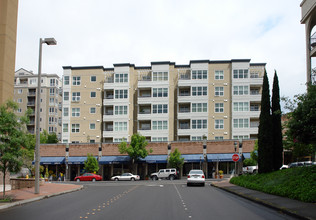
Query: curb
(263, 202)
(10, 205)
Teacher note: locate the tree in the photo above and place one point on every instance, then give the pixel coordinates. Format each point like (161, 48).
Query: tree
(48, 138)
(277, 139)
(91, 164)
(136, 149)
(265, 152)
(175, 160)
(253, 160)
(12, 138)
(302, 123)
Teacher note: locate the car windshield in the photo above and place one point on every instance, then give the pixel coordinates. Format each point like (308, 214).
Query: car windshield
(196, 172)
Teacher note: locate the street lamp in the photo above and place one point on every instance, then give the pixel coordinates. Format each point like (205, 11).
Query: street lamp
(48, 41)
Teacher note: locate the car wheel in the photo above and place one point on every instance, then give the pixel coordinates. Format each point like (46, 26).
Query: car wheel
(154, 178)
(93, 180)
(255, 171)
(132, 179)
(188, 184)
(116, 179)
(78, 180)
(171, 177)
(203, 184)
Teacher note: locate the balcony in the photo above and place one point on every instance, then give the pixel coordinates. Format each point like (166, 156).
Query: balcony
(109, 94)
(184, 108)
(144, 93)
(30, 103)
(144, 125)
(184, 124)
(108, 110)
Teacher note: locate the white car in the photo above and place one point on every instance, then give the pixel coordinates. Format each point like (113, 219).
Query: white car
(126, 176)
(196, 177)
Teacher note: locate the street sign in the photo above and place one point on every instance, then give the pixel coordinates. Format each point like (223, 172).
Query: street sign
(235, 157)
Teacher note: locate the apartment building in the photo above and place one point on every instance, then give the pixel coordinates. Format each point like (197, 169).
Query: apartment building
(25, 92)
(163, 102)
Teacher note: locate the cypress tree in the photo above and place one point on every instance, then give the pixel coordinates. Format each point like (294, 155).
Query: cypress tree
(265, 130)
(276, 124)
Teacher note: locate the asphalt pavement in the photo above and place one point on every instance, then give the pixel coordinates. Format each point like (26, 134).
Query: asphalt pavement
(291, 207)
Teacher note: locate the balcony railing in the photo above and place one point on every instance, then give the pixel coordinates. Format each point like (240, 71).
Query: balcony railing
(109, 97)
(144, 127)
(109, 113)
(184, 126)
(144, 111)
(184, 110)
(184, 93)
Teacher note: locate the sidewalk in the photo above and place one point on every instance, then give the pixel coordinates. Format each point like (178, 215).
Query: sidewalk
(26, 195)
(292, 207)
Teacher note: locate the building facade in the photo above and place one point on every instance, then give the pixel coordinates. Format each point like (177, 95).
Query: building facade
(309, 19)
(25, 92)
(163, 102)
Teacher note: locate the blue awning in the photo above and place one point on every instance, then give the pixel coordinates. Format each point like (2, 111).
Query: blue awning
(155, 159)
(76, 160)
(193, 158)
(114, 159)
(224, 157)
(52, 160)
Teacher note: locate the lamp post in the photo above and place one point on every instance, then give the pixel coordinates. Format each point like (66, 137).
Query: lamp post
(48, 41)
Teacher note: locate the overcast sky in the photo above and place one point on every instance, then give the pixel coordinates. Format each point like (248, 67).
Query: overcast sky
(103, 32)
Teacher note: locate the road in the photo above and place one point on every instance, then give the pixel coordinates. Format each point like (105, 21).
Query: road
(143, 200)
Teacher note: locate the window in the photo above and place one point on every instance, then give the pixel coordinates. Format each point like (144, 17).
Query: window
(219, 74)
(51, 101)
(160, 125)
(93, 94)
(20, 91)
(66, 80)
(199, 124)
(75, 128)
(219, 138)
(51, 110)
(241, 123)
(52, 82)
(92, 126)
(66, 96)
(33, 81)
(196, 138)
(120, 126)
(199, 107)
(50, 130)
(76, 80)
(75, 112)
(254, 107)
(160, 92)
(241, 106)
(199, 91)
(219, 107)
(92, 141)
(92, 110)
(199, 74)
(51, 91)
(65, 140)
(160, 76)
(19, 110)
(19, 101)
(93, 78)
(121, 77)
(219, 91)
(120, 110)
(119, 139)
(240, 74)
(121, 94)
(65, 127)
(241, 90)
(219, 124)
(66, 112)
(159, 109)
(241, 137)
(159, 139)
(50, 120)
(76, 96)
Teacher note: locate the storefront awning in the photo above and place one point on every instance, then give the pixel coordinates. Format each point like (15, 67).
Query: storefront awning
(193, 158)
(52, 160)
(224, 157)
(114, 159)
(155, 159)
(76, 160)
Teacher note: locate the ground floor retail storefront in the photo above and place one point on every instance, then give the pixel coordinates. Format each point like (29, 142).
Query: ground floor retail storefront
(70, 167)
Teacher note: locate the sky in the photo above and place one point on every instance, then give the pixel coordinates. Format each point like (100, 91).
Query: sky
(104, 32)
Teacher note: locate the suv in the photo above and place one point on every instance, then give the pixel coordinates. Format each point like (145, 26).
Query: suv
(170, 174)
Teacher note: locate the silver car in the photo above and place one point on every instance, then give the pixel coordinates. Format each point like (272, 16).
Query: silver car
(126, 176)
(196, 177)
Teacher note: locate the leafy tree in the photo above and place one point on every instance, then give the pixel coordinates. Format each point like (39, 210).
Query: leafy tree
(12, 139)
(175, 160)
(46, 138)
(265, 152)
(277, 146)
(136, 149)
(91, 165)
(253, 160)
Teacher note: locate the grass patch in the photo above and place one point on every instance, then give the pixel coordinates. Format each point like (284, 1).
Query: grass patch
(295, 183)
(5, 199)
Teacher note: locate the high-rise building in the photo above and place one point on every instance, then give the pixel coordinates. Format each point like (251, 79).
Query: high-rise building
(8, 27)
(25, 86)
(163, 102)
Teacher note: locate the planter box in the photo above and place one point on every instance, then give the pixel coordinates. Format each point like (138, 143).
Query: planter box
(19, 183)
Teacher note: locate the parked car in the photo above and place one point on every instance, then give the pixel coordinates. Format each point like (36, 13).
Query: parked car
(284, 167)
(88, 177)
(301, 164)
(196, 177)
(250, 169)
(126, 176)
(170, 174)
